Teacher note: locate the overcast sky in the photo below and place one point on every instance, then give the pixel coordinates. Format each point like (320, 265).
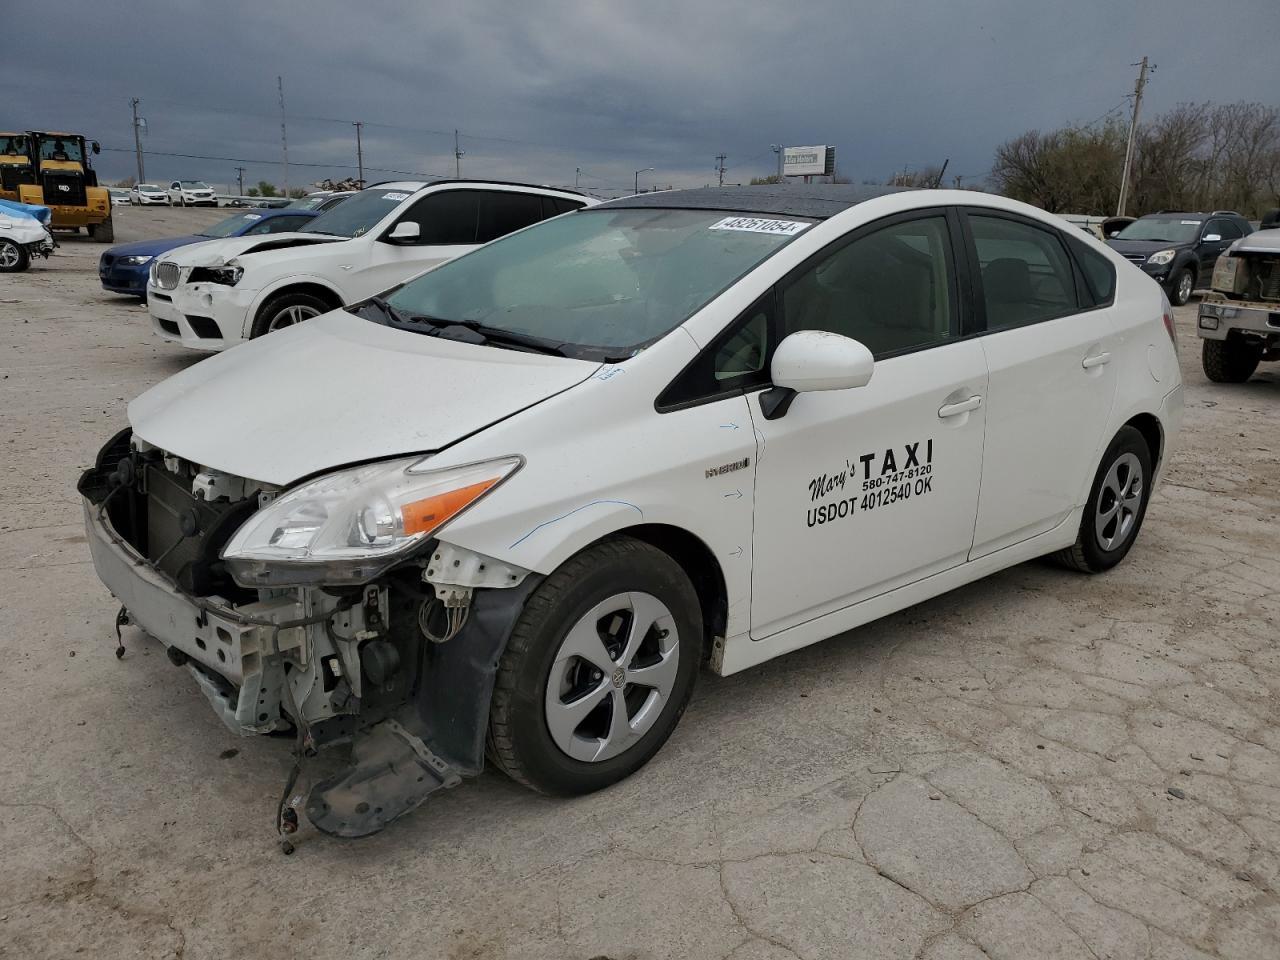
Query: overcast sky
(541, 87)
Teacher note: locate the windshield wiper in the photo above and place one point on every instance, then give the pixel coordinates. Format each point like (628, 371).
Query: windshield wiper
(390, 312)
(495, 335)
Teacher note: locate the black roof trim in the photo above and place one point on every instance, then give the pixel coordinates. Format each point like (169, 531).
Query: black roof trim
(818, 201)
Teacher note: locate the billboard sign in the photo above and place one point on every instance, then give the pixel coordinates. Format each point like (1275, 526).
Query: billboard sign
(808, 161)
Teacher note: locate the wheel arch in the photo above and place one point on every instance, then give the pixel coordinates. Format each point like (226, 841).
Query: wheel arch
(1148, 424)
(309, 285)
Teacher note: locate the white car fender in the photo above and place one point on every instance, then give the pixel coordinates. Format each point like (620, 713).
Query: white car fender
(292, 280)
(588, 473)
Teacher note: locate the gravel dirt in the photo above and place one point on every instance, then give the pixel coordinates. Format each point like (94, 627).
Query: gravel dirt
(1039, 765)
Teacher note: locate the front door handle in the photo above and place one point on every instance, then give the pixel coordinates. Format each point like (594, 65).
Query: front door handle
(955, 409)
(1096, 360)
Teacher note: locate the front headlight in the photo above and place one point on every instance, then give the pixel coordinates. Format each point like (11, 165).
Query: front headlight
(1161, 257)
(348, 527)
(133, 261)
(227, 276)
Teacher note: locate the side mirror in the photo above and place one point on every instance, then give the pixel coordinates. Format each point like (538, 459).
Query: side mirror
(1212, 237)
(406, 231)
(813, 360)
(97, 147)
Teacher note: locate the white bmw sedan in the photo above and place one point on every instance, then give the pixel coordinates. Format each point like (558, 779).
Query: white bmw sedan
(511, 507)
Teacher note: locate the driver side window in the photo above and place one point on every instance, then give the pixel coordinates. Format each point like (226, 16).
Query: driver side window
(890, 289)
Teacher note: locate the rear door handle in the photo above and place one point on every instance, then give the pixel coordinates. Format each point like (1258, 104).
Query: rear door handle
(955, 409)
(1096, 360)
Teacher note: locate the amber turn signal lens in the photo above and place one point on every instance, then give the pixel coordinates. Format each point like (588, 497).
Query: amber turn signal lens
(423, 516)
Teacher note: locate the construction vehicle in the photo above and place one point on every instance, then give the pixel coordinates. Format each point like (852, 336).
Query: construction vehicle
(53, 170)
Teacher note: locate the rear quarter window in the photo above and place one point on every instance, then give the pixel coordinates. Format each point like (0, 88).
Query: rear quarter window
(1098, 272)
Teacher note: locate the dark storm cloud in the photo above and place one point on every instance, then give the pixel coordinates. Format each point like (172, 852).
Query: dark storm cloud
(541, 88)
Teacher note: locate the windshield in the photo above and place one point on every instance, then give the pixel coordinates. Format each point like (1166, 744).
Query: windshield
(194, 185)
(358, 214)
(231, 226)
(57, 148)
(12, 146)
(308, 203)
(149, 188)
(1163, 229)
(601, 284)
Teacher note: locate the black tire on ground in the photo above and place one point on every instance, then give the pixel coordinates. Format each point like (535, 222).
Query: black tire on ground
(520, 742)
(275, 313)
(1232, 360)
(1181, 284)
(13, 257)
(104, 232)
(1090, 554)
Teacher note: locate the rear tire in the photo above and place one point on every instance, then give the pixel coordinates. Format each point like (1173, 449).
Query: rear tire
(571, 648)
(13, 257)
(104, 232)
(1117, 504)
(1229, 361)
(286, 310)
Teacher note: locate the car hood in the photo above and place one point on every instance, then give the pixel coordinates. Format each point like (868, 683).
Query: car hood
(152, 248)
(338, 390)
(218, 252)
(1263, 241)
(1147, 247)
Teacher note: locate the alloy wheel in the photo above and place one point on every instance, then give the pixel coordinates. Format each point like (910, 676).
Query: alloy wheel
(288, 316)
(8, 255)
(613, 674)
(1185, 285)
(1119, 501)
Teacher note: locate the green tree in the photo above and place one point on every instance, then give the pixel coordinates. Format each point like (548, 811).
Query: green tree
(266, 190)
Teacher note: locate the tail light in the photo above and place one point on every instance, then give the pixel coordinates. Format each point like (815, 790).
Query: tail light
(1168, 321)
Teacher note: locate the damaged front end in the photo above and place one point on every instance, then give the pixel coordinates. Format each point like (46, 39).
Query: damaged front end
(1245, 300)
(398, 670)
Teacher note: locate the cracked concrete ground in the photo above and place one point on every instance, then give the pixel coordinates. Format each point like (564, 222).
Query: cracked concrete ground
(1040, 765)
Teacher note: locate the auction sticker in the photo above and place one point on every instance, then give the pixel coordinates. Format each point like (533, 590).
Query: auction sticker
(395, 196)
(783, 228)
(253, 216)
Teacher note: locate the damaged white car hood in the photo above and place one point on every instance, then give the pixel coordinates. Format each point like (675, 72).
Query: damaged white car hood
(337, 390)
(215, 253)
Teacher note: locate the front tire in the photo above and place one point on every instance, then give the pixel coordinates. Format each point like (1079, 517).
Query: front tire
(598, 670)
(104, 232)
(13, 257)
(1116, 506)
(1181, 286)
(286, 310)
(1232, 360)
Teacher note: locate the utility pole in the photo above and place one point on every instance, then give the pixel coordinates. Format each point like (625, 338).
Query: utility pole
(457, 157)
(780, 150)
(1133, 134)
(137, 141)
(721, 158)
(240, 179)
(284, 137)
(360, 154)
(577, 172)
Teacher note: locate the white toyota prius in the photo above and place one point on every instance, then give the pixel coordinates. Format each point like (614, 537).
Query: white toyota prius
(512, 506)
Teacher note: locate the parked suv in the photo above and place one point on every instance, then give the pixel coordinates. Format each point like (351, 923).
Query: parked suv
(213, 295)
(1240, 318)
(1178, 250)
(191, 193)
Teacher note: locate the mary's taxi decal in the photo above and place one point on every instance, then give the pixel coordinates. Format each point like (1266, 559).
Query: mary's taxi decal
(872, 480)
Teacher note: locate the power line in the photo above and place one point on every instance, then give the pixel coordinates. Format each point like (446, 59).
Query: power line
(295, 163)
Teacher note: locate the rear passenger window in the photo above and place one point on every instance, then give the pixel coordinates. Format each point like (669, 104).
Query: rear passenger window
(1099, 274)
(446, 218)
(891, 289)
(1026, 275)
(561, 205)
(504, 212)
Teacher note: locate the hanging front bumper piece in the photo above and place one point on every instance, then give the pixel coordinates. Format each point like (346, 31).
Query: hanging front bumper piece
(351, 669)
